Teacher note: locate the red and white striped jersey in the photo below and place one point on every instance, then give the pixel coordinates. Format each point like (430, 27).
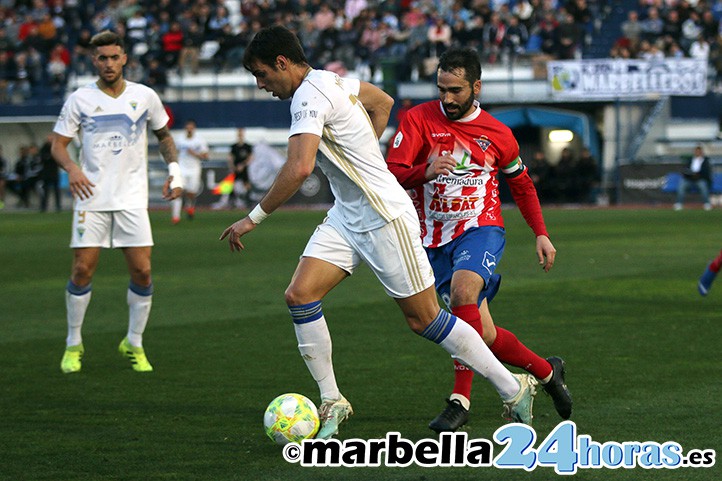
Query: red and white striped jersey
(469, 196)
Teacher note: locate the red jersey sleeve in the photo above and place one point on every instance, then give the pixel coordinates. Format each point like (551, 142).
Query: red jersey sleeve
(524, 193)
(405, 157)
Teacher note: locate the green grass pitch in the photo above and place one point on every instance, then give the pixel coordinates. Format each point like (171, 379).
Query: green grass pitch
(620, 305)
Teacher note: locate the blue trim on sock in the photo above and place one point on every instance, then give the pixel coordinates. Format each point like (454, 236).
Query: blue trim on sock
(440, 327)
(306, 312)
(77, 290)
(140, 290)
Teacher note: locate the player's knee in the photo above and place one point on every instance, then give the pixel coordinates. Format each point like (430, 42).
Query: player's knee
(141, 276)
(82, 274)
(463, 294)
(296, 296)
(416, 324)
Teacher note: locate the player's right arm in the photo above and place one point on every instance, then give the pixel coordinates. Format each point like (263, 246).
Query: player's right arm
(173, 185)
(407, 154)
(80, 185)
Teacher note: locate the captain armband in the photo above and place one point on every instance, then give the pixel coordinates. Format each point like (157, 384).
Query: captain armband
(514, 168)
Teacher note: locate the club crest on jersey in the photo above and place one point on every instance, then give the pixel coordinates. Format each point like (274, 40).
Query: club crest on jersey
(134, 104)
(483, 142)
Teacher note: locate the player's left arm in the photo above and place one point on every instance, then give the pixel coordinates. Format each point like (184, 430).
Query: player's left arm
(525, 195)
(378, 105)
(301, 161)
(173, 186)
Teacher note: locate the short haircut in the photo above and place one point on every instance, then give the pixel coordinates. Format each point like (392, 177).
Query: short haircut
(466, 58)
(269, 43)
(105, 38)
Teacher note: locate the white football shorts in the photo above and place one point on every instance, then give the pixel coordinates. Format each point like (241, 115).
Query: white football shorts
(191, 182)
(393, 252)
(111, 229)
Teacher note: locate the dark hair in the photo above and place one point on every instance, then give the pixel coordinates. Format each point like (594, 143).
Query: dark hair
(269, 43)
(105, 38)
(466, 58)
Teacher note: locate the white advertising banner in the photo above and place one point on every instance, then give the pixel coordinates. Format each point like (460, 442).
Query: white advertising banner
(608, 79)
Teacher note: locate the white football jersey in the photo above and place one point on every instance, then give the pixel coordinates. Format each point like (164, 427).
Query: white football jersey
(189, 164)
(113, 133)
(367, 195)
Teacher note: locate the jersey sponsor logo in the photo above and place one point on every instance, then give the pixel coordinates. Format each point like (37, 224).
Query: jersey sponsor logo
(436, 135)
(114, 132)
(451, 216)
(483, 142)
(463, 167)
(398, 139)
(303, 114)
(462, 181)
(441, 204)
(116, 144)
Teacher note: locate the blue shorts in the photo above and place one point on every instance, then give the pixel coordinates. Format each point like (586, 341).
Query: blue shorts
(478, 250)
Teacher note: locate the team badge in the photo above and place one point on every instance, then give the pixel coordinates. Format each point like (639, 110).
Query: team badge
(134, 104)
(483, 142)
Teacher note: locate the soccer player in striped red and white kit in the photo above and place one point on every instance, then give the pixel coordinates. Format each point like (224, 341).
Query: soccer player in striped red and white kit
(447, 153)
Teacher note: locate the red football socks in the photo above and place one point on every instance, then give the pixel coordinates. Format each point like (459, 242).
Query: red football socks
(508, 349)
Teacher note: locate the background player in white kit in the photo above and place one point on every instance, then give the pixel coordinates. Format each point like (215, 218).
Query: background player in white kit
(192, 150)
(110, 187)
(372, 220)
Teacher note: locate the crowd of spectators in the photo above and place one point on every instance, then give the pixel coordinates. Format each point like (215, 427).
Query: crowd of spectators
(42, 42)
(660, 29)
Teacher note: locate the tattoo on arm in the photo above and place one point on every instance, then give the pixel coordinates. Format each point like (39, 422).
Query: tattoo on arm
(166, 145)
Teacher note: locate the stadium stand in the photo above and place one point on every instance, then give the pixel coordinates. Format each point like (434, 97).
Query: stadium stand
(390, 43)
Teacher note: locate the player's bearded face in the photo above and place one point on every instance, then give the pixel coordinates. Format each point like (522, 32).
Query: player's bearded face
(456, 95)
(109, 61)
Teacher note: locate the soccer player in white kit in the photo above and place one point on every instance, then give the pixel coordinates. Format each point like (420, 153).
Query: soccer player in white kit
(372, 220)
(192, 150)
(110, 186)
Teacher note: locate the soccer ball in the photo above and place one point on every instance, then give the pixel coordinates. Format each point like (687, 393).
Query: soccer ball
(291, 418)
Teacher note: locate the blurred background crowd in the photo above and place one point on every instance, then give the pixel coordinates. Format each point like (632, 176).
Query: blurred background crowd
(44, 42)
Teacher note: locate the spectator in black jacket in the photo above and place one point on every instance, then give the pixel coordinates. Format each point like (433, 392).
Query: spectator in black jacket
(698, 174)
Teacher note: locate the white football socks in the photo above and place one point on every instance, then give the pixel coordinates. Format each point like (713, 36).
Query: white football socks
(314, 343)
(138, 314)
(76, 305)
(175, 207)
(466, 346)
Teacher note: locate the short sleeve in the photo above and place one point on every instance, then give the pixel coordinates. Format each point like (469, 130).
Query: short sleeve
(68, 123)
(158, 116)
(407, 143)
(310, 109)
